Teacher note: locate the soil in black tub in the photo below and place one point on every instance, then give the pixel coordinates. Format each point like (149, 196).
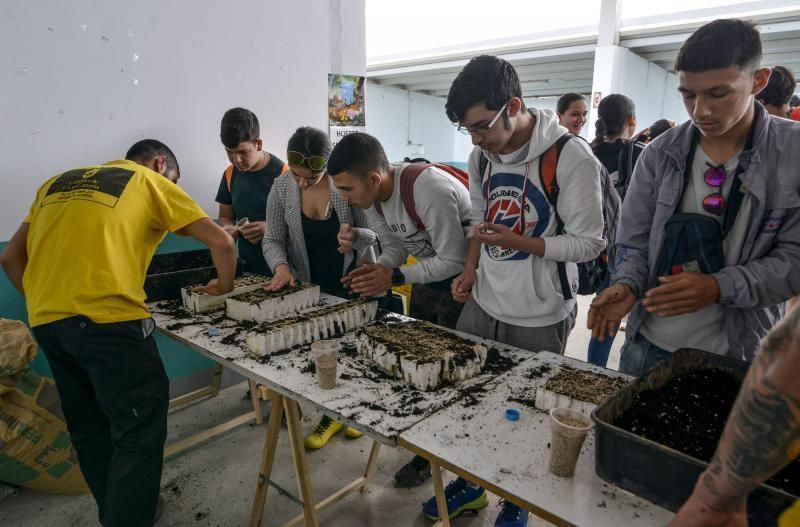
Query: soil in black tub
(689, 413)
(170, 263)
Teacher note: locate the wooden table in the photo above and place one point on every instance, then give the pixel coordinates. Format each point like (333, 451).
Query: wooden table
(510, 458)
(364, 399)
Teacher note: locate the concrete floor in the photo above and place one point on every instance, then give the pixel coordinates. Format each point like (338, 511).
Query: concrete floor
(213, 484)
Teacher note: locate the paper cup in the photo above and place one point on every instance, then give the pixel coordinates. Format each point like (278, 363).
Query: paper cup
(569, 429)
(326, 354)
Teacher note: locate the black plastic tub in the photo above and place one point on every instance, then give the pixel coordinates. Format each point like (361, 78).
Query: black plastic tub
(168, 273)
(656, 472)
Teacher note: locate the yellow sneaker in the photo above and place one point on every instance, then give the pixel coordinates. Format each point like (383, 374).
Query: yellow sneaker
(325, 430)
(352, 433)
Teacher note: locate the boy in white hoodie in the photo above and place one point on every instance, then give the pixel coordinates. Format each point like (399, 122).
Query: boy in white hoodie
(511, 283)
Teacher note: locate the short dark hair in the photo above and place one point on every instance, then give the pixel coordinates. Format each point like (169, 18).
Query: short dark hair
(357, 154)
(146, 150)
(794, 101)
(779, 89)
(721, 44)
(238, 125)
(659, 127)
(566, 100)
(612, 117)
(485, 79)
(310, 141)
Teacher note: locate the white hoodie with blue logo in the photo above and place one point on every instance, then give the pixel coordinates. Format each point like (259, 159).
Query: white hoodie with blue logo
(520, 288)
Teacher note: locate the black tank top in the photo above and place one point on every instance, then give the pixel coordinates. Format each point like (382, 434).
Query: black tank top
(325, 262)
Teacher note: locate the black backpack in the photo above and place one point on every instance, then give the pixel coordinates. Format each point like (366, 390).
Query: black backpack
(626, 162)
(593, 273)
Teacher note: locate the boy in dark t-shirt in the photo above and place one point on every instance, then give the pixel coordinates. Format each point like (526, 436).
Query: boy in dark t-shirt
(245, 185)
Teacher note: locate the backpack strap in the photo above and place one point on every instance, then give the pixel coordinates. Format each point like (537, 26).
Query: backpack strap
(408, 176)
(548, 164)
(229, 176)
(483, 162)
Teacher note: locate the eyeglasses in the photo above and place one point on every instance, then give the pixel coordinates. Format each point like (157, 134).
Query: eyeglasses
(714, 203)
(315, 163)
(482, 129)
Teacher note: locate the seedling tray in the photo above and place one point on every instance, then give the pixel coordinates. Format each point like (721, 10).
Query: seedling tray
(656, 472)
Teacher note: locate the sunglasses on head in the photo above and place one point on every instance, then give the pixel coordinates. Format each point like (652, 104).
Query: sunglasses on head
(315, 163)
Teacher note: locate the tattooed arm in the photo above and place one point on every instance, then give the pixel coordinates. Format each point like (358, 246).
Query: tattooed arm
(761, 437)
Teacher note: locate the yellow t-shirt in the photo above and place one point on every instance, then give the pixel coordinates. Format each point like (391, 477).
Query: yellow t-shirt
(93, 232)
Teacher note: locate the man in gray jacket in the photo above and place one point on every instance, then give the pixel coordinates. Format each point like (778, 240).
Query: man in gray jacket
(689, 286)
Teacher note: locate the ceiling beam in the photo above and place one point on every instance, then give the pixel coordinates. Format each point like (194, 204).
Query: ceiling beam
(560, 53)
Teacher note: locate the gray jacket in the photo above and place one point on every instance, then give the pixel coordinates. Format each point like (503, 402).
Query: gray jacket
(284, 242)
(768, 270)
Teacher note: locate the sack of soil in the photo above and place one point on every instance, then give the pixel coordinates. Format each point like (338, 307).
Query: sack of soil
(35, 449)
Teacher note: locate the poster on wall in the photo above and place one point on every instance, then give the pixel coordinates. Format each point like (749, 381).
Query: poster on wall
(345, 105)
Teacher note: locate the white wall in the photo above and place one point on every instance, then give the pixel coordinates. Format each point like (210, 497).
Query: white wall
(652, 88)
(409, 124)
(396, 116)
(80, 81)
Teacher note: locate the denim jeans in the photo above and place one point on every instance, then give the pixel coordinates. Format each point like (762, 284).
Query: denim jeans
(639, 355)
(599, 351)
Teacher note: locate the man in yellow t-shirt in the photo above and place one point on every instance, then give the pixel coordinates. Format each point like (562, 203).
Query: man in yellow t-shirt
(79, 259)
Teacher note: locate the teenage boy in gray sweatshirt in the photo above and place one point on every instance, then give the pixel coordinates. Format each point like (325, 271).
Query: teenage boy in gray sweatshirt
(366, 179)
(511, 282)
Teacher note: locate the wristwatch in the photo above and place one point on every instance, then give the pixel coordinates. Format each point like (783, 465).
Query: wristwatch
(398, 278)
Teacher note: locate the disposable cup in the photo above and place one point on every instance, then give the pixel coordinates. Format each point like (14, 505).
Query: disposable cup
(569, 428)
(326, 355)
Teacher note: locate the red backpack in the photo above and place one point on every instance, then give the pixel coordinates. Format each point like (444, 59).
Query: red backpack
(409, 176)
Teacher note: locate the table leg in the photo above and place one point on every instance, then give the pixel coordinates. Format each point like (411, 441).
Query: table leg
(255, 396)
(300, 462)
(371, 464)
(441, 501)
(217, 380)
(267, 458)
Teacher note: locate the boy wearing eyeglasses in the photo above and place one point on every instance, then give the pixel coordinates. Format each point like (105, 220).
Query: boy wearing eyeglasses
(520, 275)
(245, 185)
(707, 249)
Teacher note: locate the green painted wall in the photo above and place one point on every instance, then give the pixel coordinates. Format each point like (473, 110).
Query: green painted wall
(179, 360)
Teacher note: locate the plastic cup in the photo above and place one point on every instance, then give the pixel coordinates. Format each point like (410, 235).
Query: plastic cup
(326, 355)
(569, 429)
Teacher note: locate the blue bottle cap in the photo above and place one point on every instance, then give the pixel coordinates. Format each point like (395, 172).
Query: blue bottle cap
(512, 414)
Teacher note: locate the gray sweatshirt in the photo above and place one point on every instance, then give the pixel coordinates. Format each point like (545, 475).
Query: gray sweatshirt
(519, 288)
(443, 205)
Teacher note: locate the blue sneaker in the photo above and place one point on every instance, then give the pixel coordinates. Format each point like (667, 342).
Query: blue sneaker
(460, 497)
(511, 515)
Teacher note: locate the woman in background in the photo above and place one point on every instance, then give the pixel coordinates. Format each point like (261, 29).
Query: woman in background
(572, 111)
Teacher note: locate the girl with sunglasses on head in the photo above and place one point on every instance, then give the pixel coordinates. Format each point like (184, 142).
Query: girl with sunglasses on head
(313, 235)
(305, 215)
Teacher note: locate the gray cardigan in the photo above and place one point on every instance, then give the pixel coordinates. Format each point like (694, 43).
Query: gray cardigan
(752, 292)
(284, 242)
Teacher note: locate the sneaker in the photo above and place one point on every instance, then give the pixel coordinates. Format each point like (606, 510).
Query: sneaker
(460, 497)
(511, 515)
(326, 429)
(352, 433)
(414, 473)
